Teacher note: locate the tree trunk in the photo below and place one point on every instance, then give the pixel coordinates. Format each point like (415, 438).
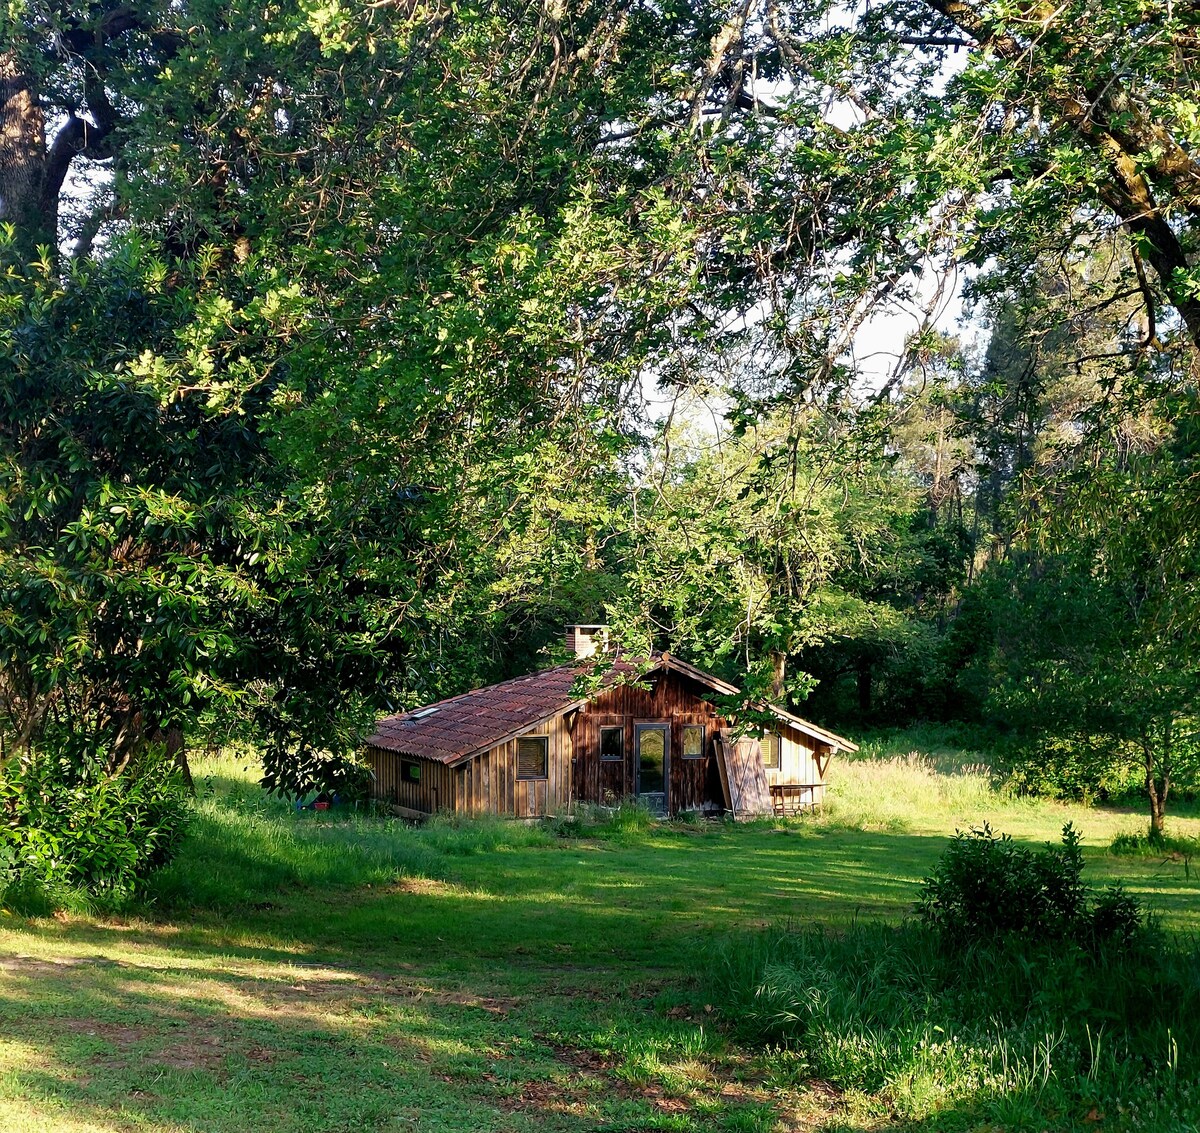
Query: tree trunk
(23, 160)
(864, 687)
(778, 675)
(177, 751)
(1157, 789)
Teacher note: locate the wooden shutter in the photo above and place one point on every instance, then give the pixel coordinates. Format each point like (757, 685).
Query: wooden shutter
(531, 757)
(770, 750)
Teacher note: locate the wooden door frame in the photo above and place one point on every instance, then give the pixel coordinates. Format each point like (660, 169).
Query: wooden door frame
(665, 726)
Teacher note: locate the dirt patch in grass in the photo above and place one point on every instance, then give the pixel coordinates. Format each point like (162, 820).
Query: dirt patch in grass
(584, 1061)
(594, 1071)
(190, 1051)
(421, 886)
(207, 1053)
(120, 1035)
(38, 966)
(544, 1096)
(411, 989)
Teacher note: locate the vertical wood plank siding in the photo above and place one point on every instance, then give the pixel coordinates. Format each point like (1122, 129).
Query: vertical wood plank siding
(488, 784)
(798, 761)
(672, 699)
(434, 792)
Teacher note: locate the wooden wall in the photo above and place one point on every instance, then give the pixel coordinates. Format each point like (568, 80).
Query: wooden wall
(434, 792)
(488, 784)
(800, 761)
(672, 700)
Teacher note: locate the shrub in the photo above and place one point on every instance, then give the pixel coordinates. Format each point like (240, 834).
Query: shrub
(987, 886)
(1067, 767)
(1116, 918)
(93, 835)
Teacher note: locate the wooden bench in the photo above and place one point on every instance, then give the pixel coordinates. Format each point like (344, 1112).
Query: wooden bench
(793, 798)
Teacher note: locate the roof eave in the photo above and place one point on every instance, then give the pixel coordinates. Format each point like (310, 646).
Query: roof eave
(831, 738)
(667, 661)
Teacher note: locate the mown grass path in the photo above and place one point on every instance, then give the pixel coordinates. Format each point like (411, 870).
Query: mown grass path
(363, 975)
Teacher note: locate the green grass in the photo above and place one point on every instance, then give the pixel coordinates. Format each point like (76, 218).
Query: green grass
(306, 971)
(1026, 1035)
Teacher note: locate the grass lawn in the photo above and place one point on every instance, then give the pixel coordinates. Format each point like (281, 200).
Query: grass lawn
(305, 972)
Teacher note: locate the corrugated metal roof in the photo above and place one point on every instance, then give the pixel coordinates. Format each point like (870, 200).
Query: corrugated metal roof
(461, 726)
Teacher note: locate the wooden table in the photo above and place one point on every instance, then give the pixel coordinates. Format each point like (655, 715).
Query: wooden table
(792, 798)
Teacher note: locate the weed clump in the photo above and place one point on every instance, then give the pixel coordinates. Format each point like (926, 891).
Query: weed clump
(628, 821)
(1142, 846)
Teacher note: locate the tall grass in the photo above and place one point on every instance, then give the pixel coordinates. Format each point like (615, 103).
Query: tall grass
(245, 847)
(885, 793)
(1024, 1037)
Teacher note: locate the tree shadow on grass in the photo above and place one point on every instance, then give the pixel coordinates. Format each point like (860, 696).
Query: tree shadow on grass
(448, 996)
(209, 1043)
(421, 1000)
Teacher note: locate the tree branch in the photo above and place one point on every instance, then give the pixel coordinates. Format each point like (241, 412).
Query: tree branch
(90, 228)
(76, 137)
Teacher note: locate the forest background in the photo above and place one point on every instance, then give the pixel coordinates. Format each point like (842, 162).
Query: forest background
(349, 351)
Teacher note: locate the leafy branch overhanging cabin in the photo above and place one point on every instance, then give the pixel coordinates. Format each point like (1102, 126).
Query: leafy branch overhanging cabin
(534, 746)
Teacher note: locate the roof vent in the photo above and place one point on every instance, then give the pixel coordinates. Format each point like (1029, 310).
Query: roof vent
(587, 640)
(423, 713)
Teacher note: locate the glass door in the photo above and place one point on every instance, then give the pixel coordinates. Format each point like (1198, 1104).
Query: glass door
(653, 764)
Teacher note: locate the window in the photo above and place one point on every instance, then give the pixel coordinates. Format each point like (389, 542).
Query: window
(410, 771)
(531, 757)
(612, 743)
(693, 741)
(769, 745)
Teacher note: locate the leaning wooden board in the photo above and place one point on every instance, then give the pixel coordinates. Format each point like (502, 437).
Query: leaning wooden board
(743, 777)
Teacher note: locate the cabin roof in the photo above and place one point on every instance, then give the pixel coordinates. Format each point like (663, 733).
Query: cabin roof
(463, 726)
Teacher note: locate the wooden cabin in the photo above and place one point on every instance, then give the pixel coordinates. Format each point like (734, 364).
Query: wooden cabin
(535, 745)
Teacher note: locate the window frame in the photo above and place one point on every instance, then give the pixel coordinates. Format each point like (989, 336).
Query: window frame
(683, 731)
(544, 741)
(410, 771)
(775, 766)
(619, 728)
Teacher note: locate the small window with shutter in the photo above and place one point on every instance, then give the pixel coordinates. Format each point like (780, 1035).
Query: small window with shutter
(769, 745)
(693, 741)
(410, 771)
(531, 757)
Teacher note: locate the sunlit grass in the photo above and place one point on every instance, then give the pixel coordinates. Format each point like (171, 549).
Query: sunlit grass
(490, 974)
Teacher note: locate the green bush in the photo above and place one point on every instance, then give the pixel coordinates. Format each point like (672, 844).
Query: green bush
(986, 886)
(91, 837)
(1116, 917)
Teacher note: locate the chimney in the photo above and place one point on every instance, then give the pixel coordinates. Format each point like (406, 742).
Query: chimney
(587, 641)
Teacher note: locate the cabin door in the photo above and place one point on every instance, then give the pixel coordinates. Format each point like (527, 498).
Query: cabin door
(652, 748)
